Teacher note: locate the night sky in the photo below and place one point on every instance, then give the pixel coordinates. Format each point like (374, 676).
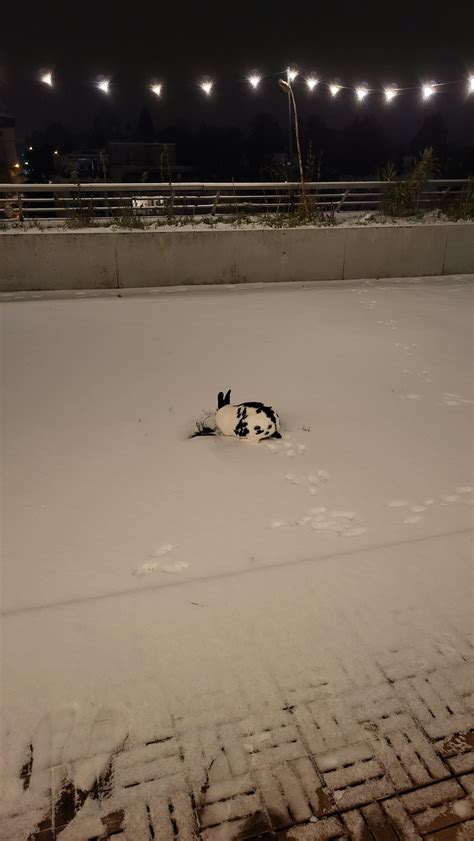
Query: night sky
(179, 42)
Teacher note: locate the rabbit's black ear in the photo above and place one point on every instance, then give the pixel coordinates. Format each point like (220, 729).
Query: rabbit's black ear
(220, 400)
(227, 398)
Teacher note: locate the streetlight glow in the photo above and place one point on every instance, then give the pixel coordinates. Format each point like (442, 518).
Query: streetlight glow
(255, 80)
(471, 85)
(390, 93)
(47, 78)
(311, 82)
(361, 93)
(291, 74)
(206, 87)
(156, 88)
(334, 89)
(103, 85)
(428, 90)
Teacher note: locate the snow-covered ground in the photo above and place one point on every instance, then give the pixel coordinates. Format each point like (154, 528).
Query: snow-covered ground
(220, 611)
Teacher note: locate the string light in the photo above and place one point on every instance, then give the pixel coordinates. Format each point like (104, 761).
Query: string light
(361, 93)
(428, 90)
(207, 87)
(47, 78)
(103, 85)
(390, 93)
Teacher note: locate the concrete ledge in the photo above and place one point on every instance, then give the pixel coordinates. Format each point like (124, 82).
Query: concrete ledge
(107, 259)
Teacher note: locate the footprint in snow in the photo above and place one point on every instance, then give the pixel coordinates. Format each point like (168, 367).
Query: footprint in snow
(289, 448)
(451, 399)
(153, 566)
(357, 531)
(76, 784)
(341, 522)
(178, 566)
(164, 550)
(313, 480)
(146, 569)
(293, 479)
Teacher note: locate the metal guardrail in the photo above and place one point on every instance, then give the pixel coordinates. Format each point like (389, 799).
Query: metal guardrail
(106, 201)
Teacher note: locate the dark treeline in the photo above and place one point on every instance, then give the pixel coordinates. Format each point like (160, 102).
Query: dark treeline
(359, 150)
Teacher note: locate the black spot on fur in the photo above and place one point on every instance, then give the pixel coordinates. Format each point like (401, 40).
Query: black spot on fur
(268, 411)
(241, 429)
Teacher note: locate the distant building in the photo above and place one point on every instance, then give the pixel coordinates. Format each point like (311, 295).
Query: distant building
(125, 161)
(8, 153)
(131, 161)
(9, 167)
(81, 166)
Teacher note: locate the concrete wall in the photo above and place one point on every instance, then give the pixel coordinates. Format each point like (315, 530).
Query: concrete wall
(108, 259)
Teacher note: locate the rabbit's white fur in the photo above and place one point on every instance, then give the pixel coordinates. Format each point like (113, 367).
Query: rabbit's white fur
(250, 421)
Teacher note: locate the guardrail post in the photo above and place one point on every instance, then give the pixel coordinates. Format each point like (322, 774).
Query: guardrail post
(216, 202)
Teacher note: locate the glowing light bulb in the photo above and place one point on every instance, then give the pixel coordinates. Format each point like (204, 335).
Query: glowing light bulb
(206, 87)
(30, 148)
(255, 80)
(311, 82)
(103, 85)
(471, 85)
(291, 74)
(390, 93)
(156, 88)
(56, 152)
(16, 166)
(334, 89)
(361, 93)
(428, 90)
(47, 78)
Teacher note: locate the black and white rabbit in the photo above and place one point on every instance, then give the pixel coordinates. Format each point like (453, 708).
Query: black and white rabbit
(251, 421)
